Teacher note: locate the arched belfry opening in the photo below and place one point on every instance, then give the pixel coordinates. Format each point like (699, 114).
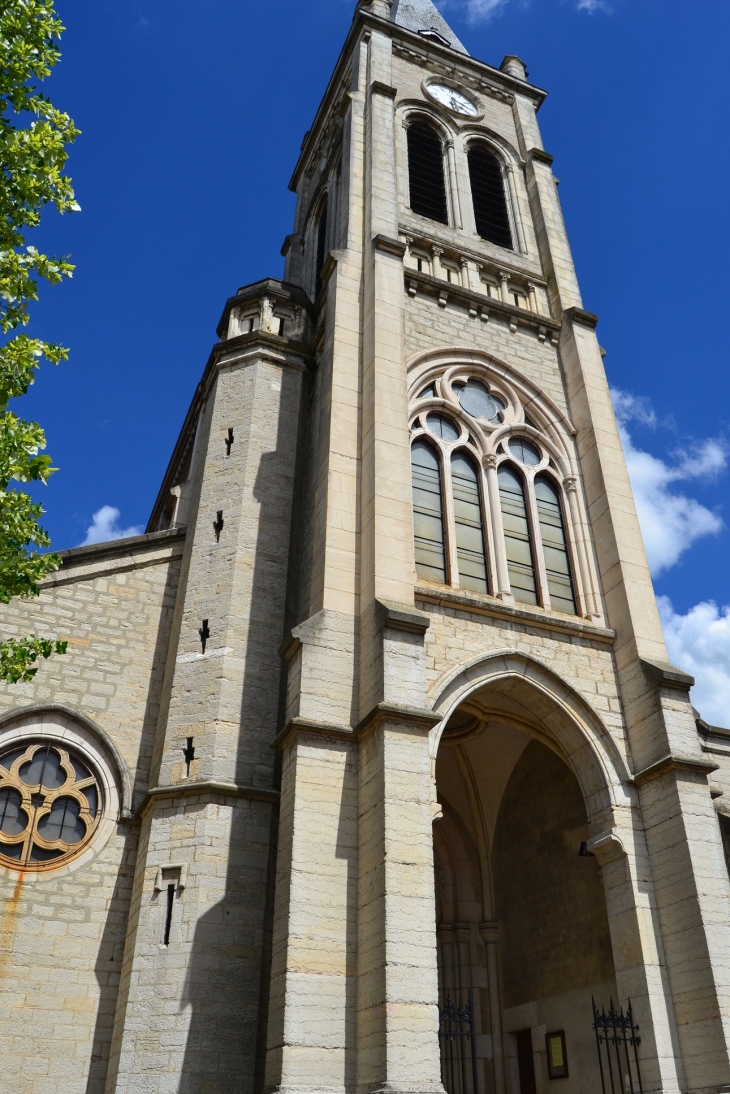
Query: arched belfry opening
(523, 934)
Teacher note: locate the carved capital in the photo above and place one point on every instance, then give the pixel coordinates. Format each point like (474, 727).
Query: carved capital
(570, 484)
(489, 461)
(438, 251)
(503, 275)
(607, 847)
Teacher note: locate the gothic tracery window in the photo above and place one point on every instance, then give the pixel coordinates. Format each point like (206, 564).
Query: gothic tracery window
(50, 804)
(504, 535)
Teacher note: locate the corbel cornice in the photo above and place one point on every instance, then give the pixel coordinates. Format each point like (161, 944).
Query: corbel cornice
(665, 675)
(585, 318)
(541, 156)
(404, 717)
(389, 245)
(402, 617)
(208, 786)
(673, 763)
(377, 87)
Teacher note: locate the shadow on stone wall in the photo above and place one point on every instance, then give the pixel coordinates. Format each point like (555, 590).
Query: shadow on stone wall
(228, 971)
(111, 949)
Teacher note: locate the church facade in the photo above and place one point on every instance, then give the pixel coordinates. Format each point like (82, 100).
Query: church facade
(366, 771)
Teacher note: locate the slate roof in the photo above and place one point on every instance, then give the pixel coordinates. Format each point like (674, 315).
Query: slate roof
(423, 15)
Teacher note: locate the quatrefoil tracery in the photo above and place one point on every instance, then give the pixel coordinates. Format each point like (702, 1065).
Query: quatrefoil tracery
(50, 804)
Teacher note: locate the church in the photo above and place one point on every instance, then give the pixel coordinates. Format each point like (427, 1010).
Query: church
(366, 771)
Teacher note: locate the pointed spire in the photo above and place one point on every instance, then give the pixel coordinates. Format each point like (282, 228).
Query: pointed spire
(424, 17)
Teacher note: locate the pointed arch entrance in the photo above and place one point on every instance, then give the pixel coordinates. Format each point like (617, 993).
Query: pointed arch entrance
(522, 922)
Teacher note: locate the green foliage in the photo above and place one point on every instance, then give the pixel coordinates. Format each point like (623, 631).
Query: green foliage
(33, 150)
(18, 657)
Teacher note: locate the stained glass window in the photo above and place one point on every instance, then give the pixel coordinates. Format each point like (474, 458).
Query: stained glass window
(517, 536)
(428, 522)
(554, 546)
(468, 520)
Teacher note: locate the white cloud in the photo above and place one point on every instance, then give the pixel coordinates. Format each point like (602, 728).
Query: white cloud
(670, 521)
(482, 11)
(104, 527)
(699, 643)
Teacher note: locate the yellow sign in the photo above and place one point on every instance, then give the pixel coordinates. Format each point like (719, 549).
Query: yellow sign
(556, 1052)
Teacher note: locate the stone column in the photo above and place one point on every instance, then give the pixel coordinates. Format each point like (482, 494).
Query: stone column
(313, 979)
(638, 955)
(504, 591)
(453, 184)
(398, 1048)
(490, 937)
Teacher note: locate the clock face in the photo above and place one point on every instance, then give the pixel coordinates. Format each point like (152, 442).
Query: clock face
(453, 100)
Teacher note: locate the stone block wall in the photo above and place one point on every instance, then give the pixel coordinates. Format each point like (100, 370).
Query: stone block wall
(62, 932)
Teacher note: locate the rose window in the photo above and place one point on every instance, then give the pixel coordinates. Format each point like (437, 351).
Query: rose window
(50, 804)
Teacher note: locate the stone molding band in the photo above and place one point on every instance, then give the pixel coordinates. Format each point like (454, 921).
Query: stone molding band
(673, 763)
(410, 717)
(665, 675)
(209, 786)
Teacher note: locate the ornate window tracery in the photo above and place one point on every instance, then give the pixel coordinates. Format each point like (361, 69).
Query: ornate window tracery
(50, 803)
(490, 487)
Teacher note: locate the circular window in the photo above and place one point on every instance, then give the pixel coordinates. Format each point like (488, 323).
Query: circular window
(442, 427)
(524, 451)
(50, 804)
(476, 400)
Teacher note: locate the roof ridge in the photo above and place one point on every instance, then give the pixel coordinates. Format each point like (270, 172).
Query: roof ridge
(424, 18)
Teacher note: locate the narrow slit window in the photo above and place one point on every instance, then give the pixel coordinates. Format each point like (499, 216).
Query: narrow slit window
(517, 536)
(428, 522)
(426, 173)
(321, 245)
(170, 904)
(468, 520)
(488, 196)
(554, 546)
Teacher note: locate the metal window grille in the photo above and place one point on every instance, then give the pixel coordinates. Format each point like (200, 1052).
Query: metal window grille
(617, 1041)
(457, 1041)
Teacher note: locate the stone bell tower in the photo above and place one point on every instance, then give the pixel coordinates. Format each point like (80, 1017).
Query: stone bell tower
(428, 273)
(412, 569)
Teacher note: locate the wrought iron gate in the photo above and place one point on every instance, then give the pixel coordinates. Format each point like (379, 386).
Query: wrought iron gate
(458, 1047)
(617, 1041)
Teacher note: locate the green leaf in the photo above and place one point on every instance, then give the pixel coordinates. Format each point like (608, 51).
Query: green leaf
(34, 140)
(18, 657)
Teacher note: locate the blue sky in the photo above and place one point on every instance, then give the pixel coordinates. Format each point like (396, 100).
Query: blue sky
(192, 116)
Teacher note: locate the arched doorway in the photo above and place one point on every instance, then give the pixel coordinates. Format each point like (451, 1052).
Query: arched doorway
(523, 934)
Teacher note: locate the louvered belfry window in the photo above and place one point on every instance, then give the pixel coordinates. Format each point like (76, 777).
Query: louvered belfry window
(426, 172)
(321, 244)
(487, 191)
